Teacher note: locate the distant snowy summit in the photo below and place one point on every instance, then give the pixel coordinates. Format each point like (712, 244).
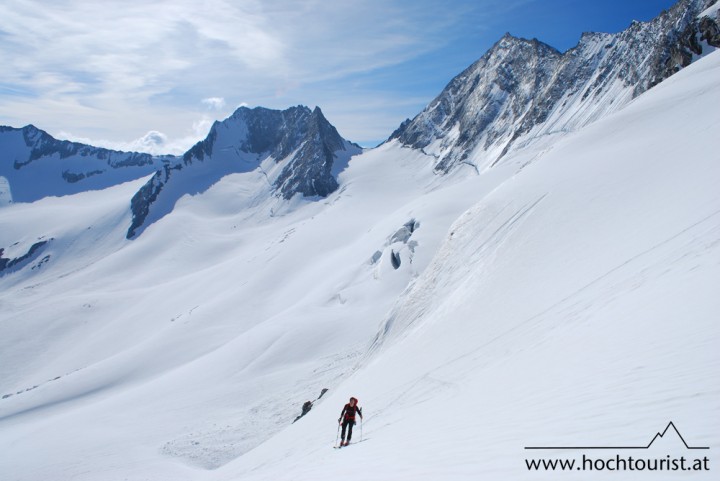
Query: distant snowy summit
(297, 151)
(36, 165)
(299, 138)
(523, 90)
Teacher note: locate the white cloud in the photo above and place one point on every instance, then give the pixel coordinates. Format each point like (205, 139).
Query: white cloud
(153, 142)
(214, 103)
(109, 68)
(201, 127)
(152, 139)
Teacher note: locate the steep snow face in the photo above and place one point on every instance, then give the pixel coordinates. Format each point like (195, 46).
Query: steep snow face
(523, 90)
(36, 165)
(296, 151)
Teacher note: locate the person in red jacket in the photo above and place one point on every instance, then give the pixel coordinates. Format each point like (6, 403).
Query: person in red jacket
(347, 420)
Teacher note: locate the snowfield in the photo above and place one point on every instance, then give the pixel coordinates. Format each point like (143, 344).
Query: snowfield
(565, 297)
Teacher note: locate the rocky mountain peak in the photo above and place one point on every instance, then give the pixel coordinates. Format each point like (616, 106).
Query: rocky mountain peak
(296, 149)
(480, 102)
(521, 90)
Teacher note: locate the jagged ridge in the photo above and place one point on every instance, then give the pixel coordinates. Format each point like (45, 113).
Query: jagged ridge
(523, 89)
(299, 141)
(37, 165)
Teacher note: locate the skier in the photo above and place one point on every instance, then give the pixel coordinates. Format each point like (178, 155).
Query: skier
(347, 420)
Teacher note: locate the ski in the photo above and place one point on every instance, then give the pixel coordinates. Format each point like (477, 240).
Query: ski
(351, 444)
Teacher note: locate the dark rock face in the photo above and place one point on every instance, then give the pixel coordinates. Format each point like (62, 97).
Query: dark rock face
(72, 178)
(521, 90)
(709, 32)
(9, 265)
(301, 141)
(395, 259)
(144, 198)
(309, 171)
(405, 232)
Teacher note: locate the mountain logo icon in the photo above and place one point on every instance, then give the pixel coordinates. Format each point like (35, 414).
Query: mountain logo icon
(669, 429)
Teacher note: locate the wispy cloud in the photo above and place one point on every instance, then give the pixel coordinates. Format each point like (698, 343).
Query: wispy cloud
(133, 66)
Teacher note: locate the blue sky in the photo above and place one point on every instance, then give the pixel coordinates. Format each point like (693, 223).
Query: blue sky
(153, 76)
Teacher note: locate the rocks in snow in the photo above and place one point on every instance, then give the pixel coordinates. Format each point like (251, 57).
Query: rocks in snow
(8, 265)
(397, 242)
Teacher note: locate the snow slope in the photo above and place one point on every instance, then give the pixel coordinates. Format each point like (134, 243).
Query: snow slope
(575, 304)
(213, 327)
(565, 296)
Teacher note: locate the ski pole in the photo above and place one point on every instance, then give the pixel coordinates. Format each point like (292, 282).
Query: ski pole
(361, 428)
(338, 435)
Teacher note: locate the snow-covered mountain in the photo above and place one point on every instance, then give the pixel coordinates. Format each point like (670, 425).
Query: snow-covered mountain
(34, 165)
(565, 296)
(522, 91)
(297, 151)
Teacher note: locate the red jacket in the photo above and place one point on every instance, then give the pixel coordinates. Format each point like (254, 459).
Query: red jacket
(348, 412)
